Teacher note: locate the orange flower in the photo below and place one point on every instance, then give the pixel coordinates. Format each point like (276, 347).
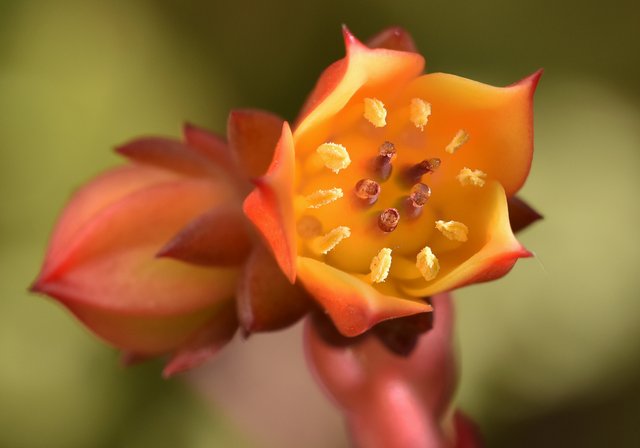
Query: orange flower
(395, 186)
(156, 257)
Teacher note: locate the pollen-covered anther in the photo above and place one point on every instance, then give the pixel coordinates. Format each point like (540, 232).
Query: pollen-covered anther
(453, 230)
(468, 176)
(367, 191)
(380, 265)
(325, 243)
(427, 263)
(458, 140)
(334, 156)
(323, 197)
(375, 112)
(388, 220)
(419, 112)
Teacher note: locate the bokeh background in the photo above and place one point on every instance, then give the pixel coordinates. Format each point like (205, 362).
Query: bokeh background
(550, 355)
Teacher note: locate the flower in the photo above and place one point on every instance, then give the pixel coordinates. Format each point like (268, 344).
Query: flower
(156, 257)
(394, 186)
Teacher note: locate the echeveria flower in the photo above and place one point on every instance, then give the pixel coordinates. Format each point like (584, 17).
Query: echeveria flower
(156, 257)
(394, 185)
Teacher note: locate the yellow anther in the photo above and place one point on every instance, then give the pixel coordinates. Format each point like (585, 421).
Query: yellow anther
(419, 112)
(471, 177)
(323, 197)
(459, 139)
(334, 156)
(380, 265)
(454, 230)
(375, 112)
(325, 243)
(427, 264)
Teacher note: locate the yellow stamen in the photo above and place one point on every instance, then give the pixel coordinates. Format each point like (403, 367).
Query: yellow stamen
(419, 112)
(471, 177)
(459, 139)
(323, 197)
(375, 112)
(380, 265)
(454, 230)
(327, 242)
(334, 156)
(427, 264)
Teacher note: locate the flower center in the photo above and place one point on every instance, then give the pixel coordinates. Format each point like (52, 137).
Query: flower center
(364, 194)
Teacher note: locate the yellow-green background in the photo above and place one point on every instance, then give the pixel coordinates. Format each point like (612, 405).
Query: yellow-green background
(550, 355)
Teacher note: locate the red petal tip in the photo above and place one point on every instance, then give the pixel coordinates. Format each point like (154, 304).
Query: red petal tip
(531, 81)
(351, 42)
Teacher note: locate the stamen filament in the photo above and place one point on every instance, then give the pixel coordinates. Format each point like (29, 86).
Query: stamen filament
(380, 265)
(388, 220)
(367, 191)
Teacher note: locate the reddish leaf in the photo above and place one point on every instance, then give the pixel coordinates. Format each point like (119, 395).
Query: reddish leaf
(266, 299)
(208, 341)
(394, 38)
(168, 154)
(218, 237)
(521, 214)
(253, 135)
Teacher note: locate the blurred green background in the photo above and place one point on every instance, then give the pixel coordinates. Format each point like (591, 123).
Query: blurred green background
(550, 355)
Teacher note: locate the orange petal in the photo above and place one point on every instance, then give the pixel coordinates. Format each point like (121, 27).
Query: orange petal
(270, 205)
(253, 135)
(354, 306)
(110, 261)
(167, 154)
(491, 250)
(266, 300)
(210, 145)
(521, 214)
(219, 237)
(101, 192)
(499, 122)
(206, 342)
(394, 38)
(376, 69)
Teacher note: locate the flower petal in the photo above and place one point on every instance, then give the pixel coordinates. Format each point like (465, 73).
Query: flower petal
(266, 300)
(101, 192)
(218, 237)
(394, 38)
(499, 122)
(491, 250)
(354, 306)
(270, 205)
(253, 135)
(206, 342)
(521, 214)
(167, 154)
(110, 262)
(377, 69)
